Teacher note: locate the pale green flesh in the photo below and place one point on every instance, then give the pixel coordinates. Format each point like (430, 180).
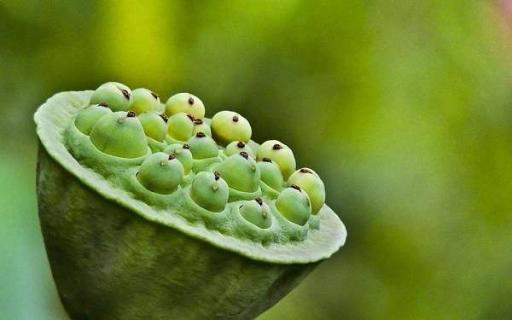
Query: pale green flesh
(320, 243)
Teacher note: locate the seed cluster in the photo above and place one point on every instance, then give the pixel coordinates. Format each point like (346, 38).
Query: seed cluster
(215, 160)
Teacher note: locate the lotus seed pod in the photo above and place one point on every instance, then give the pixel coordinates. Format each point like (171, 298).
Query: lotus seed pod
(116, 95)
(256, 212)
(203, 146)
(201, 126)
(237, 147)
(88, 117)
(228, 126)
(182, 153)
(280, 154)
(210, 191)
(154, 125)
(294, 205)
(271, 174)
(144, 100)
(180, 126)
(240, 172)
(309, 181)
(161, 173)
(187, 103)
(120, 134)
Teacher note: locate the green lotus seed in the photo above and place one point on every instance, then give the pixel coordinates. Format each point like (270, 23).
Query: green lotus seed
(309, 181)
(144, 100)
(154, 125)
(201, 126)
(88, 117)
(256, 212)
(182, 153)
(203, 146)
(228, 126)
(237, 147)
(120, 134)
(240, 172)
(271, 174)
(209, 191)
(187, 103)
(161, 173)
(180, 127)
(280, 154)
(116, 95)
(294, 205)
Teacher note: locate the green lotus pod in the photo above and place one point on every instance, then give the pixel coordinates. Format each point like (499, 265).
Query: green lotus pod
(240, 172)
(88, 117)
(161, 173)
(201, 126)
(256, 212)
(237, 147)
(183, 154)
(280, 154)
(187, 103)
(180, 127)
(144, 100)
(120, 134)
(229, 126)
(271, 174)
(203, 146)
(120, 251)
(309, 181)
(154, 125)
(294, 205)
(116, 95)
(209, 191)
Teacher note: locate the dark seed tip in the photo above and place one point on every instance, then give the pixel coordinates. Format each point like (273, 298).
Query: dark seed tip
(277, 146)
(126, 94)
(190, 100)
(240, 144)
(154, 95)
(200, 134)
(172, 156)
(164, 117)
(244, 154)
(266, 159)
(259, 201)
(198, 121)
(217, 175)
(305, 170)
(191, 117)
(131, 114)
(186, 146)
(235, 119)
(296, 187)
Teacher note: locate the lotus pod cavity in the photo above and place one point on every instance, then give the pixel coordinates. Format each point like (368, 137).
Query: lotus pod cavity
(180, 126)
(183, 154)
(161, 173)
(154, 125)
(237, 147)
(120, 134)
(87, 117)
(256, 212)
(294, 205)
(116, 95)
(210, 191)
(138, 227)
(271, 174)
(240, 172)
(280, 154)
(187, 103)
(229, 126)
(309, 181)
(144, 100)
(201, 126)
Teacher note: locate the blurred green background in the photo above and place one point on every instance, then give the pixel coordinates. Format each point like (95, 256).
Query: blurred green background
(403, 107)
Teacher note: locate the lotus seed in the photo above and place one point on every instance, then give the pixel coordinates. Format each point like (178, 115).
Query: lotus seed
(256, 212)
(161, 173)
(144, 100)
(237, 147)
(209, 191)
(180, 127)
(154, 125)
(271, 174)
(187, 103)
(182, 153)
(294, 205)
(228, 126)
(87, 118)
(240, 172)
(280, 153)
(120, 134)
(201, 126)
(310, 182)
(203, 146)
(116, 95)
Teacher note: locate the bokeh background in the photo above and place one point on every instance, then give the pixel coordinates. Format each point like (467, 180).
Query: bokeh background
(403, 107)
